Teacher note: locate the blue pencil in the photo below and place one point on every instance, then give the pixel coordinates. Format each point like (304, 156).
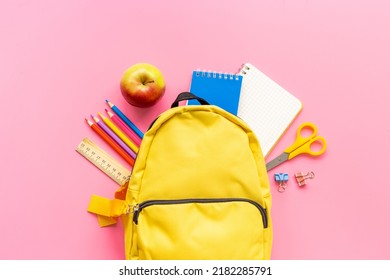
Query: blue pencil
(125, 119)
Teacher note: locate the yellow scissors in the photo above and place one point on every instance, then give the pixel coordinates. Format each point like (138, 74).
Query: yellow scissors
(302, 145)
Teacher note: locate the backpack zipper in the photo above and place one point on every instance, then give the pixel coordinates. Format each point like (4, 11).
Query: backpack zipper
(138, 207)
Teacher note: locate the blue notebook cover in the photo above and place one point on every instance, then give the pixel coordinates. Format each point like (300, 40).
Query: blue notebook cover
(218, 89)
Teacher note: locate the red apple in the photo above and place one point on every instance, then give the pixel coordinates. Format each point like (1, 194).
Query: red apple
(142, 85)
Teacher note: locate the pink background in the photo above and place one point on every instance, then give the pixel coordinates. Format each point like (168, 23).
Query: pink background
(60, 60)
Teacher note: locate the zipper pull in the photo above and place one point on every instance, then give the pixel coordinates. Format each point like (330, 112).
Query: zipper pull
(136, 211)
(130, 209)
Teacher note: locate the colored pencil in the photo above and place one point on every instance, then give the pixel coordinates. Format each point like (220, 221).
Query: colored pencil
(107, 130)
(111, 142)
(119, 133)
(121, 125)
(125, 119)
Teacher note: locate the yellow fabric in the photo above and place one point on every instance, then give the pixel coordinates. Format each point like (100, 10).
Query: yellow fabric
(171, 165)
(106, 221)
(211, 162)
(106, 209)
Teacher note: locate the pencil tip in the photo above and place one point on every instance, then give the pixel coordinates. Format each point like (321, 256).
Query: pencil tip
(100, 115)
(94, 118)
(109, 113)
(109, 103)
(88, 121)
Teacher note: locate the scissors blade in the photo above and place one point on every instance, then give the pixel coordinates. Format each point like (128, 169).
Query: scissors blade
(276, 161)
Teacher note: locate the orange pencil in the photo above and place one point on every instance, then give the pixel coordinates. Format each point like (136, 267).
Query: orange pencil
(111, 142)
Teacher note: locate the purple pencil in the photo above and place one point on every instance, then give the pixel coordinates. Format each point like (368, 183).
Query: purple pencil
(113, 136)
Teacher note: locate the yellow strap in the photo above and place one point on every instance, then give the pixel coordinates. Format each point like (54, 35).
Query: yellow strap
(108, 210)
(106, 221)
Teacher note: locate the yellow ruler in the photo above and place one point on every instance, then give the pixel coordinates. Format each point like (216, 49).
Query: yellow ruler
(102, 160)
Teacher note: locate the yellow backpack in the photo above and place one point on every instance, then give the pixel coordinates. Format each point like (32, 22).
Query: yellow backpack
(198, 190)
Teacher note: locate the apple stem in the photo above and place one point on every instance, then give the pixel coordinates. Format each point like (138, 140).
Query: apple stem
(148, 82)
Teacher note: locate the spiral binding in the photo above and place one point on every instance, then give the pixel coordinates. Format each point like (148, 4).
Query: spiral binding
(216, 75)
(244, 69)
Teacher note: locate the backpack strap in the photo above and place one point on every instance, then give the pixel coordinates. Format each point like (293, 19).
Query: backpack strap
(107, 210)
(188, 96)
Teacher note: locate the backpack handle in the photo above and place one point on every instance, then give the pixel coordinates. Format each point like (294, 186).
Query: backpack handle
(188, 96)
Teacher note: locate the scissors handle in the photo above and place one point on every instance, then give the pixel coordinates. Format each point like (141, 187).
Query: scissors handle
(300, 140)
(306, 147)
(302, 145)
(307, 125)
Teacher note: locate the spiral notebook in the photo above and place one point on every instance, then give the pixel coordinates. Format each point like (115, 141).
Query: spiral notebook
(219, 89)
(265, 106)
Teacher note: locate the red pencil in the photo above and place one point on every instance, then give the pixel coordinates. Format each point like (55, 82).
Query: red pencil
(111, 142)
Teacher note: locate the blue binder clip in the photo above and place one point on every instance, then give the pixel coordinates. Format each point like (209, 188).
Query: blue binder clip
(281, 179)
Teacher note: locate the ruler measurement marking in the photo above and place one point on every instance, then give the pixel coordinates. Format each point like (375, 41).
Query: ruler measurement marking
(102, 160)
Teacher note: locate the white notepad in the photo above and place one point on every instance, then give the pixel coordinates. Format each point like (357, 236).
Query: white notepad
(265, 106)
